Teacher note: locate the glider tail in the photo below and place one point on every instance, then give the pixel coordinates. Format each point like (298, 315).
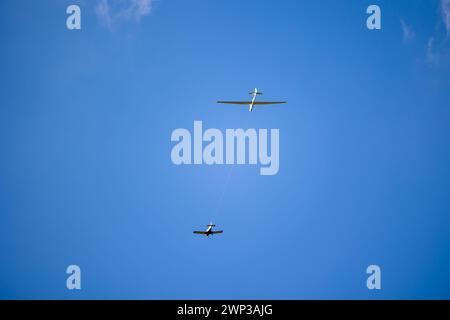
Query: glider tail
(255, 92)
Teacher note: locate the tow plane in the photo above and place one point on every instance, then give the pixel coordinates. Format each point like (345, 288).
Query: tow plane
(209, 231)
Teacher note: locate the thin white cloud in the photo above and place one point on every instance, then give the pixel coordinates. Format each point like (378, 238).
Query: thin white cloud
(438, 50)
(112, 11)
(445, 8)
(141, 8)
(102, 11)
(408, 33)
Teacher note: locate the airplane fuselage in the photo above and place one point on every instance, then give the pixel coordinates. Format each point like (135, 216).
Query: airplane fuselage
(253, 101)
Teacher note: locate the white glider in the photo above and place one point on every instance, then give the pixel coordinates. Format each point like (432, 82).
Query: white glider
(253, 102)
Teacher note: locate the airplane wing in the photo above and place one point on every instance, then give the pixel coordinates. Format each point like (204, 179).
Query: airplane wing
(249, 102)
(269, 102)
(235, 102)
(218, 231)
(199, 232)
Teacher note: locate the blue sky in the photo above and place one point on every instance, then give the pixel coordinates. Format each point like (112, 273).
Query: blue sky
(86, 176)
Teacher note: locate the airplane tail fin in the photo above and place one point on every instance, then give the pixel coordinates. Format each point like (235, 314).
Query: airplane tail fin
(255, 92)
